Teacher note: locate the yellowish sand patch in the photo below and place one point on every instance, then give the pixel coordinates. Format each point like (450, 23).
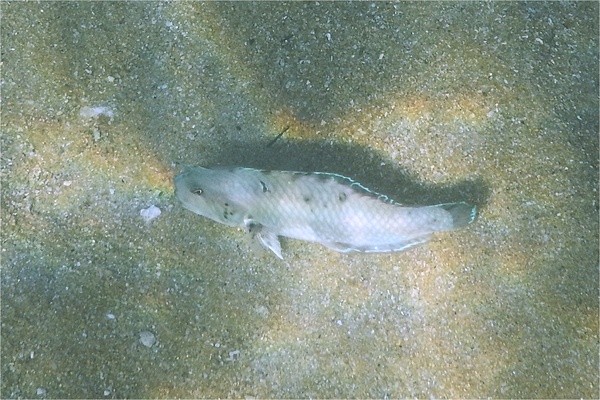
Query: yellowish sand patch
(66, 158)
(294, 127)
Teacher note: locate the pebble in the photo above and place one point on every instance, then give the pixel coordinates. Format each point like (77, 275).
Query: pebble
(147, 338)
(233, 355)
(150, 213)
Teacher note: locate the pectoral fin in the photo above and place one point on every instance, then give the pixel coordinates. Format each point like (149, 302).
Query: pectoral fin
(270, 241)
(266, 237)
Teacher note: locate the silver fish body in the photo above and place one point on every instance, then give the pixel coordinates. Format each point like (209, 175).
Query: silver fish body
(320, 207)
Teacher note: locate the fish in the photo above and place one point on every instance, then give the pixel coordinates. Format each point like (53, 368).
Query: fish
(322, 207)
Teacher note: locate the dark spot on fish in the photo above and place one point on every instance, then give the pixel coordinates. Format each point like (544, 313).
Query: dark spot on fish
(342, 197)
(253, 227)
(307, 199)
(226, 204)
(198, 191)
(264, 187)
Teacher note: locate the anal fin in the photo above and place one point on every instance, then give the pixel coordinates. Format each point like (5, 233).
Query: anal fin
(380, 248)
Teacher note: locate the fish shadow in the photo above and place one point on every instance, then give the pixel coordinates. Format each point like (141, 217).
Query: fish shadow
(360, 163)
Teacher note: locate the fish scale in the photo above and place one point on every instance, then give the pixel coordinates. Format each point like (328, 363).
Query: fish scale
(321, 207)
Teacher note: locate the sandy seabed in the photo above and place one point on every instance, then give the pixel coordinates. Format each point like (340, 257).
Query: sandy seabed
(490, 103)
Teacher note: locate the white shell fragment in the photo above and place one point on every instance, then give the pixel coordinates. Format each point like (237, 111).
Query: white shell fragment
(150, 213)
(147, 338)
(95, 112)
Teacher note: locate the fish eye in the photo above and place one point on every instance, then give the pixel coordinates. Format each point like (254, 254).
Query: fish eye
(198, 191)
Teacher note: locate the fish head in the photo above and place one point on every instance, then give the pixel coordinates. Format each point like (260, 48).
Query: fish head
(208, 192)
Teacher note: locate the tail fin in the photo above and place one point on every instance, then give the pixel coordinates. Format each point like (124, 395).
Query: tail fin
(462, 213)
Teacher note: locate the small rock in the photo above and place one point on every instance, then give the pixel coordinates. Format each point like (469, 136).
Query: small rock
(233, 355)
(147, 338)
(150, 213)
